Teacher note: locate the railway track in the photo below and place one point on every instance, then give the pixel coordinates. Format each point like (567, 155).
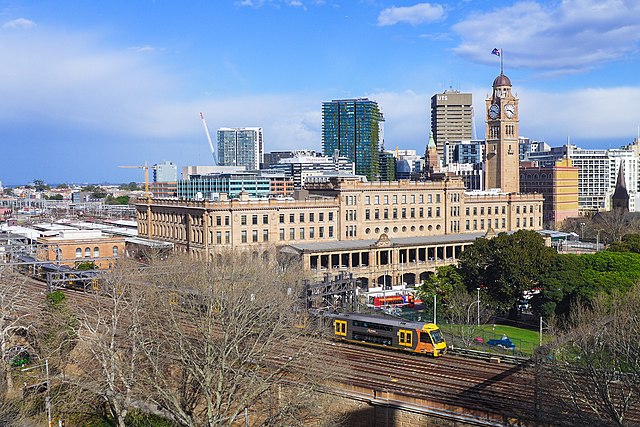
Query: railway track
(509, 390)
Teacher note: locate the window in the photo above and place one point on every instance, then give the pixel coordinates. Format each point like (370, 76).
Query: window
(482, 211)
(504, 210)
(281, 234)
(404, 213)
(226, 221)
(413, 212)
(482, 224)
(330, 216)
(227, 237)
(292, 218)
(312, 233)
(265, 219)
(386, 214)
(331, 231)
(467, 225)
(395, 199)
(404, 198)
(503, 223)
(429, 212)
(475, 224)
(437, 198)
(517, 209)
(312, 217)
(422, 198)
(292, 234)
(302, 217)
(321, 216)
(301, 236)
(96, 252)
(437, 211)
(265, 235)
(243, 220)
(386, 200)
(421, 212)
(475, 211)
(254, 236)
(321, 232)
(517, 222)
(377, 200)
(281, 218)
(376, 214)
(87, 252)
(430, 198)
(395, 213)
(367, 214)
(243, 236)
(254, 220)
(413, 199)
(367, 200)
(218, 221)
(219, 237)
(79, 252)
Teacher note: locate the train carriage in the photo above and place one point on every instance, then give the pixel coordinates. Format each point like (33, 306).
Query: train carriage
(418, 337)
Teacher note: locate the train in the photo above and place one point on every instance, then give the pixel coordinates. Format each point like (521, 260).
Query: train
(387, 332)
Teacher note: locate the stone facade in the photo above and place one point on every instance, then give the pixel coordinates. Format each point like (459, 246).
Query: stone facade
(340, 210)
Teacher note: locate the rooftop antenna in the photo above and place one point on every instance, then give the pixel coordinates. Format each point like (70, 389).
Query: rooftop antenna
(206, 131)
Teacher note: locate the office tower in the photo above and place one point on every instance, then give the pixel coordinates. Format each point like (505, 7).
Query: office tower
(451, 118)
(354, 127)
(165, 172)
(502, 148)
(240, 147)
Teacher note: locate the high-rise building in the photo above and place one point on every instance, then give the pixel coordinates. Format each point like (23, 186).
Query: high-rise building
(502, 149)
(451, 118)
(354, 127)
(165, 172)
(241, 147)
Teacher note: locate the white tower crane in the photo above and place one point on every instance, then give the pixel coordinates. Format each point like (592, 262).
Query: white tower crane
(206, 131)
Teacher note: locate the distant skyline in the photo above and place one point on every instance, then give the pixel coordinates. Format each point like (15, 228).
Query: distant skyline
(88, 86)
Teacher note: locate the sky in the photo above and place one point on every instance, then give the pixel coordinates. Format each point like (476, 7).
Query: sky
(88, 86)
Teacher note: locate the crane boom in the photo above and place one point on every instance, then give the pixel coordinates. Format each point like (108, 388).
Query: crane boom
(206, 131)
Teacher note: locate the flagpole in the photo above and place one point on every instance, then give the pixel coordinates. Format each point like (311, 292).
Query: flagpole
(501, 61)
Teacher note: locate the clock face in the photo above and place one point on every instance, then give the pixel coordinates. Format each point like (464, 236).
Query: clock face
(494, 111)
(510, 110)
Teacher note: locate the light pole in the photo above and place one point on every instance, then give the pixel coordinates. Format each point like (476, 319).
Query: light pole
(478, 289)
(582, 224)
(47, 398)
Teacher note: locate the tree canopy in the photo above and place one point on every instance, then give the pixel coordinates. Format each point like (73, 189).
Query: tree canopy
(506, 266)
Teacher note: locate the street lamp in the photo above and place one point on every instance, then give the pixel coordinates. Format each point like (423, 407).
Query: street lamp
(471, 305)
(582, 224)
(48, 397)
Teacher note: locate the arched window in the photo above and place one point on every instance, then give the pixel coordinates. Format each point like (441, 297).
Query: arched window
(87, 252)
(96, 252)
(115, 251)
(78, 252)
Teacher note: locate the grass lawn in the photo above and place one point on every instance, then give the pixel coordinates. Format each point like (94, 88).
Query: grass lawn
(525, 340)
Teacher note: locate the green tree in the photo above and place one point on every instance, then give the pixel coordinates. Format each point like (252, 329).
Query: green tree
(54, 197)
(506, 266)
(40, 185)
(120, 200)
(132, 186)
(62, 186)
(86, 265)
(629, 243)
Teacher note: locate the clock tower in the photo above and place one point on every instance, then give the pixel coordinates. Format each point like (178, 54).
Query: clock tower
(502, 163)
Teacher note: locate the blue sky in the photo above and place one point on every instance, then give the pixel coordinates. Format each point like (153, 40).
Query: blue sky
(87, 86)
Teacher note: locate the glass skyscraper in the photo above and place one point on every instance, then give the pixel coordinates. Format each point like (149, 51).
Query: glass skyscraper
(240, 147)
(354, 127)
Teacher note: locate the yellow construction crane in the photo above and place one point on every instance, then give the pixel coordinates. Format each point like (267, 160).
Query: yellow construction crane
(146, 178)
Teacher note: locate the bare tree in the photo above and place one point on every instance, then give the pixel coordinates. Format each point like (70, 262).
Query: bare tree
(614, 225)
(462, 313)
(598, 361)
(15, 316)
(225, 347)
(107, 357)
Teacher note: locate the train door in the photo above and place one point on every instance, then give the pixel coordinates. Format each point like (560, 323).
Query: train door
(426, 345)
(405, 338)
(340, 327)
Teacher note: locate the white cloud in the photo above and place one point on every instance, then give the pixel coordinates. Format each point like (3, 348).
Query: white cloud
(143, 49)
(414, 15)
(569, 36)
(277, 3)
(19, 23)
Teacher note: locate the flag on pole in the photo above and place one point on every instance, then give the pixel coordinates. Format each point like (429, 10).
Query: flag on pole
(496, 51)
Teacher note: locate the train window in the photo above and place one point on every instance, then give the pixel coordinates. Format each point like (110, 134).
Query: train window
(437, 336)
(424, 337)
